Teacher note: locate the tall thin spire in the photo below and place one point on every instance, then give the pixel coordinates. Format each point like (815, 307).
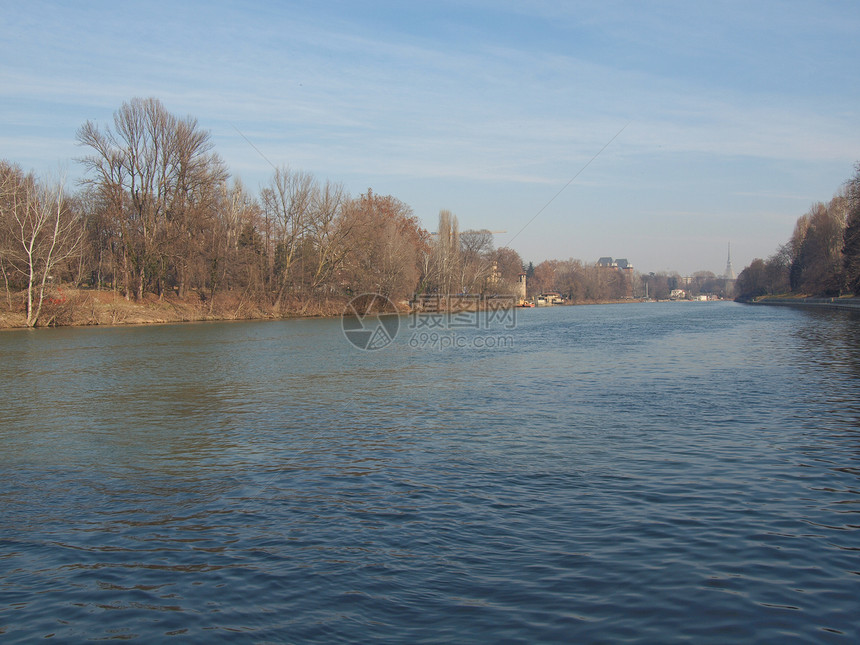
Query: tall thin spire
(730, 272)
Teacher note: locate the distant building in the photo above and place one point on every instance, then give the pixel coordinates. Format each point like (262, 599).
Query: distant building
(608, 263)
(730, 271)
(623, 266)
(549, 298)
(729, 276)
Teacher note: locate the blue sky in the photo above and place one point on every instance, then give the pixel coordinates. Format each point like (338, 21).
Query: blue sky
(736, 116)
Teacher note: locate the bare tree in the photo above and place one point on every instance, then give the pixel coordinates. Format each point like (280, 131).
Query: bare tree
(287, 202)
(476, 261)
(817, 246)
(328, 240)
(508, 265)
(385, 246)
(155, 172)
(851, 237)
(238, 250)
(446, 259)
(40, 231)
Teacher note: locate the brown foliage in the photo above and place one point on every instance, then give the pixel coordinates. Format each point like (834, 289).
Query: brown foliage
(385, 245)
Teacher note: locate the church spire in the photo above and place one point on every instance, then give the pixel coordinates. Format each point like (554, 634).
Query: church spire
(730, 272)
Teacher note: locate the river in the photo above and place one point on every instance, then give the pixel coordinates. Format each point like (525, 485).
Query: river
(654, 472)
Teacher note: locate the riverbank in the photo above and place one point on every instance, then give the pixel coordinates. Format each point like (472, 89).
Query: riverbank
(68, 307)
(843, 302)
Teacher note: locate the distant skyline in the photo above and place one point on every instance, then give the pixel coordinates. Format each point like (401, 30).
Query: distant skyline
(736, 116)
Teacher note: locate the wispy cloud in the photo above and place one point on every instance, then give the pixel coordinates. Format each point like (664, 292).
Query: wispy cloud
(497, 103)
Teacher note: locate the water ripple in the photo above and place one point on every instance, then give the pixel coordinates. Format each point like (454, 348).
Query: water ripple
(675, 473)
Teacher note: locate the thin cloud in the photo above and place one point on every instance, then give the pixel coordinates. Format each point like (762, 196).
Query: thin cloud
(488, 106)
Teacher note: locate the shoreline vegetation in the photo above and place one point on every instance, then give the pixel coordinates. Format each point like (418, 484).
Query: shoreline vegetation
(157, 230)
(74, 307)
(788, 300)
(820, 263)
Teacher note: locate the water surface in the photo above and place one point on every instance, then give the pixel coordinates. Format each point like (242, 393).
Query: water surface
(640, 473)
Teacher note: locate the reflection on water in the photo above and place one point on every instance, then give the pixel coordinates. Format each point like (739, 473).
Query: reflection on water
(653, 472)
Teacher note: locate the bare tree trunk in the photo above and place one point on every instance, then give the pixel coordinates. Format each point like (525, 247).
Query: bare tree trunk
(6, 283)
(182, 288)
(62, 241)
(126, 274)
(30, 279)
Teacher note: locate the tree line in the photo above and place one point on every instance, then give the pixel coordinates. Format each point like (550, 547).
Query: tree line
(578, 281)
(157, 215)
(583, 282)
(822, 257)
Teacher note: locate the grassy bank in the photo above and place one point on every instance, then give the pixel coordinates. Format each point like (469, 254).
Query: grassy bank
(789, 300)
(86, 307)
(69, 307)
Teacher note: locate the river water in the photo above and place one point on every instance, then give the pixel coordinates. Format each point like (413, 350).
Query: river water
(660, 472)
